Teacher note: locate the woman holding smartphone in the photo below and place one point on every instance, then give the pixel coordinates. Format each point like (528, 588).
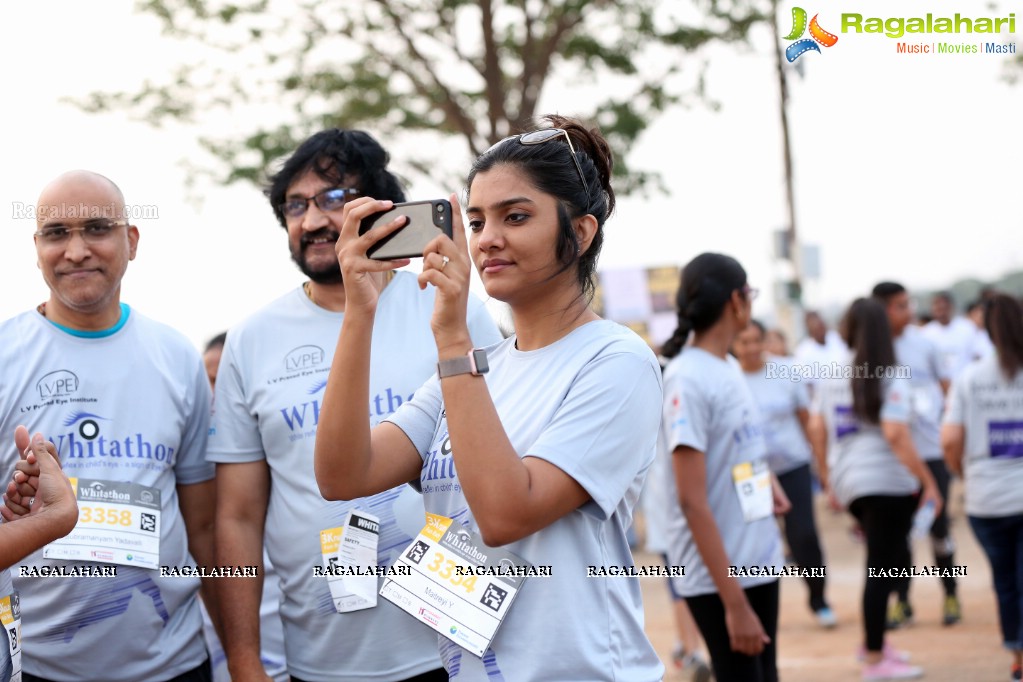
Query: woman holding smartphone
(982, 443)
(543, 440)
(721, 527)
(873, 469)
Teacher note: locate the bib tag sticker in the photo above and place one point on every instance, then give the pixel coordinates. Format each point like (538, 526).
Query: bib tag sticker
(10, 620)
(350, 560)
(753, 486)
(118, 523)
(455, 584)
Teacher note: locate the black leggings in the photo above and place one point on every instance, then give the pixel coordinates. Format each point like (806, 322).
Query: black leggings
(886, 520)
(943, 546)
(709, 613)
(801, 529)
(200, 674)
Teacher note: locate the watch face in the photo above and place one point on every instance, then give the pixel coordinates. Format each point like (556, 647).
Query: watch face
(479, 356)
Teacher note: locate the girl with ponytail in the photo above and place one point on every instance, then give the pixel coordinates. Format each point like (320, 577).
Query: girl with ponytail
(724, 495)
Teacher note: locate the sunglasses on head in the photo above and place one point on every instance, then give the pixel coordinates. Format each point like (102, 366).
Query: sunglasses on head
(542, 135)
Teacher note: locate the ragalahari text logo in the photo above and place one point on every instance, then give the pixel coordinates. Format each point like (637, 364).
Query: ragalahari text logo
(817, 35)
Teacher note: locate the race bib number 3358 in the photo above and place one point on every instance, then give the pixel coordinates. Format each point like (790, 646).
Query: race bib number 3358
(118, 523)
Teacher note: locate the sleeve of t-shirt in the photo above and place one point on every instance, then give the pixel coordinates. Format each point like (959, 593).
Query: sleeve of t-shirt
(418, 417)
(686, 416)
(234, 437)
(955, 406)
(191, 465)
(604, 433)
(482, 328)
(895, 403)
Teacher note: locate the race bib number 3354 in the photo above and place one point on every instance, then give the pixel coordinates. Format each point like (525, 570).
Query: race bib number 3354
(455, 584)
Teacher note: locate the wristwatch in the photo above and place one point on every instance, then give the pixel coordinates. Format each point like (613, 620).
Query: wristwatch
(474, 362)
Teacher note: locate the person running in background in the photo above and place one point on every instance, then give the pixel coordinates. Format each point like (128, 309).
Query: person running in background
(928, 383)
(523, 443)
(271, 632)
(982, 437)
(784, 409)
(953, 335)
(721, 517)
(873, 470)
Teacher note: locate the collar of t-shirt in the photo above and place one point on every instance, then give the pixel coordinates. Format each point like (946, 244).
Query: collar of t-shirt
(99, 333)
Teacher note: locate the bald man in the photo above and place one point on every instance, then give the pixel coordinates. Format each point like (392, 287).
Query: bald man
(126, 403)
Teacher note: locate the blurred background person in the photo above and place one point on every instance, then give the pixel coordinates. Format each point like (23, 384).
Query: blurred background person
(928, 382)
(873, 470)
(784, 411)
(982, 346)
(775, 343)
(952, 334)
(822, 346)
(983, 441)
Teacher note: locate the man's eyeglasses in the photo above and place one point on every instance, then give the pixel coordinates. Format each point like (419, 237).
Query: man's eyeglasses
(92, 231)
(750, 292)
(328, 200)
(546, 135)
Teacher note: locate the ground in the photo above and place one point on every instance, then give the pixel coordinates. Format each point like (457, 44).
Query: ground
(967, 652)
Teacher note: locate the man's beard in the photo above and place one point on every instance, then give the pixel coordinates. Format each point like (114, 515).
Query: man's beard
(325, 274)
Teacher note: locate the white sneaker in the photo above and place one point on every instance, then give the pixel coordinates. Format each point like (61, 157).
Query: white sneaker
(890, 653)
(888, 669)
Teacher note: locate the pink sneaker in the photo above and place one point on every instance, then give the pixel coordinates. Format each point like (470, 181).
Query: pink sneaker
(889, 653)
(888, 669)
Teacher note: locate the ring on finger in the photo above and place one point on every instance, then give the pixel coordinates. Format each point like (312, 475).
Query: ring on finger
(444, 260)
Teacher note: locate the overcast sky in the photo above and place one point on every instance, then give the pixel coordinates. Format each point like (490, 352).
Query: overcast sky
(908, 166)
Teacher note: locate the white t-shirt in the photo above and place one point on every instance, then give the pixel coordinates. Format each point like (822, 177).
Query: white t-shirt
(777, 401)
(272, 375)
(860, 461)
(921, 356)
(708, 407)
(588, 403)
(809, 355)
(955, 342)
(991, 410)
(131, 406)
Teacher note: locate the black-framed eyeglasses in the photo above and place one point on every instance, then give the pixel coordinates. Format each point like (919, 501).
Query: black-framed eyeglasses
(546, 135)
(750, 292)
(330, 199)
(92, 231)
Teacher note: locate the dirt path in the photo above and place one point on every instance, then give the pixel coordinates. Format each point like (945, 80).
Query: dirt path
(968, 652)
